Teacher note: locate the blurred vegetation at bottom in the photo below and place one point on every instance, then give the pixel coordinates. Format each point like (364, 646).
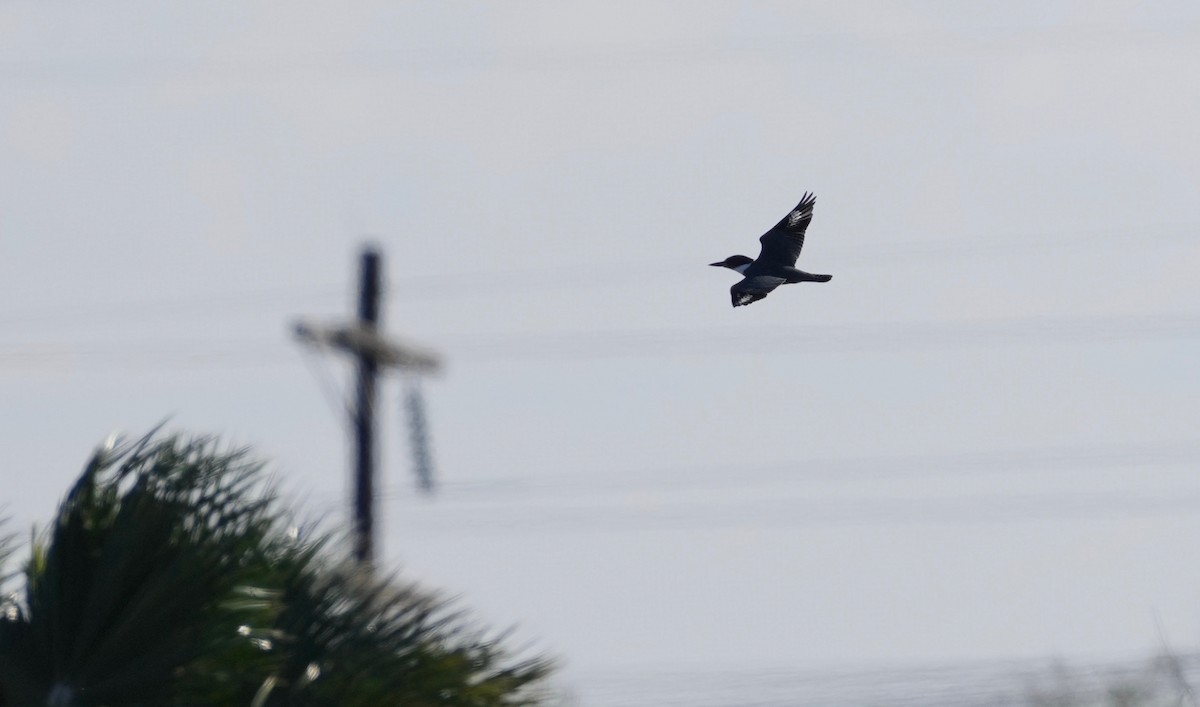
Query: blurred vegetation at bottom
(172, 575)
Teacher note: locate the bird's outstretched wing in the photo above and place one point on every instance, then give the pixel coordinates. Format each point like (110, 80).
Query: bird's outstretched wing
(741, 297)
(782, 243)
(752, 289)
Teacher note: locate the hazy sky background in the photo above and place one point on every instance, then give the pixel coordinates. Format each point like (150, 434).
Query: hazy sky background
(978, 441)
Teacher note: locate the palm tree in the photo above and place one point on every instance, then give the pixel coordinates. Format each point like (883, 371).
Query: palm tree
(6, 550)
(173, 576)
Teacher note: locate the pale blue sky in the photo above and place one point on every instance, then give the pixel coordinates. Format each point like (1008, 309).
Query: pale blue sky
(978, 440)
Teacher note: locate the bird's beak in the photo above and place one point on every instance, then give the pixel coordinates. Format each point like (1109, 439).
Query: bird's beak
(718, 265)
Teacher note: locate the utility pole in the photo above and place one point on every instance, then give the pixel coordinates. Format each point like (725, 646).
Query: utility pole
(364, 414)
(370, 351)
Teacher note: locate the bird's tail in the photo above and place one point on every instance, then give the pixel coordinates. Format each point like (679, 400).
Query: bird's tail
(801, 276)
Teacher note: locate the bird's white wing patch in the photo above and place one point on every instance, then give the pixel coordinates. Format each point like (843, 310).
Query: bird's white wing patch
(797, 215)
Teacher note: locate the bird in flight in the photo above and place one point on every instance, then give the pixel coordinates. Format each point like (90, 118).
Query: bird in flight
(776, 262)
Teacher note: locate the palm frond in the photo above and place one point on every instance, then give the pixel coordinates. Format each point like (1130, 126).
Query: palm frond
(335, 635)
(7, 548)
(144, 546)
(169, 578)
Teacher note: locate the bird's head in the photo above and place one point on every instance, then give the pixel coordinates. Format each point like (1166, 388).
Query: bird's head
(734, 262)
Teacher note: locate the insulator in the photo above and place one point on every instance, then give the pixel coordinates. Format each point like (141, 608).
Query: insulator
(418, 434)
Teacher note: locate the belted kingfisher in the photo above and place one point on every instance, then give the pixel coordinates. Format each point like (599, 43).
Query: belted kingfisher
(776, 261)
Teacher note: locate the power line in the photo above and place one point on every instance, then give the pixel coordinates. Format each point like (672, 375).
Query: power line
(617, 515)
(795, 493)
(576, 277)
(336, 65)
(982, 511)
(1023, 462)
(865, 338)
(821, 338)
(221, 303)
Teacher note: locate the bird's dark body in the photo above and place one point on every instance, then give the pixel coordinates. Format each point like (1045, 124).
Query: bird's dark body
(775, 264)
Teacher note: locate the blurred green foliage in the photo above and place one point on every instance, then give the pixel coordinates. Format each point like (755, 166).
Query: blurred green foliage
(172, 575)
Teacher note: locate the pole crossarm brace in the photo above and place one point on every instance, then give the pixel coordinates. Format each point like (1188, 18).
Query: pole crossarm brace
(367, 341)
